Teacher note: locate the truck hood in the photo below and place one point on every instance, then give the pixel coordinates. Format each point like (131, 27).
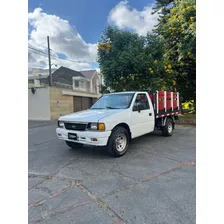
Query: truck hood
(90, 115)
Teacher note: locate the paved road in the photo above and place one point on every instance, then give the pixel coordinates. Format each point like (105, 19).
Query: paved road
(153, 183)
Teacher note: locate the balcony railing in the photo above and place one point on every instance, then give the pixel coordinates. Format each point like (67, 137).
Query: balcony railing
(82, 89)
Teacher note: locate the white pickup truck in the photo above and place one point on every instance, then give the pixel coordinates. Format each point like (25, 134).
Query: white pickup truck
(116, 118)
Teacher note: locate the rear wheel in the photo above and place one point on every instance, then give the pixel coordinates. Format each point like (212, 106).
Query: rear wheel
(118, 142)
(167, 130)
(73, 145)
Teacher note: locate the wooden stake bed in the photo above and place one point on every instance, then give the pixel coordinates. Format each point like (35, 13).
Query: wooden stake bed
(165, 103)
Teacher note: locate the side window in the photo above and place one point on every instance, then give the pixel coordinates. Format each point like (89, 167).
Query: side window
(141, 100)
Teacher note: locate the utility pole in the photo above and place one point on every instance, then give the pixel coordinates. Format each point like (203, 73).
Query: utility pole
(49, 59)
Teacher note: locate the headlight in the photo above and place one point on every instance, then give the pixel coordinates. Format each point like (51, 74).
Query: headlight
(60, 124)
(93, 126)
(97, 126)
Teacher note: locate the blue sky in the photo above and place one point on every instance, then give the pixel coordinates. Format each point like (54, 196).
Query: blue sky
(88, 16)
(86, 19)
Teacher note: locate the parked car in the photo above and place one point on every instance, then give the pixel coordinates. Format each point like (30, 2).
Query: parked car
(116, 118)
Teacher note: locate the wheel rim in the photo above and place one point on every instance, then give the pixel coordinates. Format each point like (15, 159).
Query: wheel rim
(170, 127)
(121, 142)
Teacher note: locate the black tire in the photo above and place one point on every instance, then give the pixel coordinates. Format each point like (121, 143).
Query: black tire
(167, 130)
(73, 145)
(113, 146)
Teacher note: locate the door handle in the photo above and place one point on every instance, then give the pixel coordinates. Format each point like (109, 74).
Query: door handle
(150, 114)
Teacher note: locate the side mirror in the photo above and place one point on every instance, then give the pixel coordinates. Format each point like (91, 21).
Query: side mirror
(140, 107)
(135, 107)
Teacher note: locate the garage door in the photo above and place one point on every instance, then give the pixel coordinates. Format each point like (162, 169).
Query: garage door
(82, 103)
(86, 103)
(77, 103)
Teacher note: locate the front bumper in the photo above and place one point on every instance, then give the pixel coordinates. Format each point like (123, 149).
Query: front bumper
(85, 137)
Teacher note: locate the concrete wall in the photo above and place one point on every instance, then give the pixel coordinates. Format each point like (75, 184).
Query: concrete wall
(60, 104)
(39, 104)
(50, 103)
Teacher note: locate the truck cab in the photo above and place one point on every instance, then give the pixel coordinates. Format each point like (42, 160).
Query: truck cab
(113, 121)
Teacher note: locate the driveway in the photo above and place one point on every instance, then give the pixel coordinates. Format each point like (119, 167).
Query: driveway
(154, 182)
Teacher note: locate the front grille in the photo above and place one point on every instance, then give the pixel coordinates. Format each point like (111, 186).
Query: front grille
(75, 127)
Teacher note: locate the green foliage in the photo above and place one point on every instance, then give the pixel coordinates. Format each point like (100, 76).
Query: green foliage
(130, 62)
(120, 55)
(179, 33)
(164, 60)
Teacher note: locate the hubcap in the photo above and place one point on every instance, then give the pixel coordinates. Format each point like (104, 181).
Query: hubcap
(170, 127)
(121, 142)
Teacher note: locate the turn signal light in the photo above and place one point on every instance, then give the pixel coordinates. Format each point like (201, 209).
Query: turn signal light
(101, 126)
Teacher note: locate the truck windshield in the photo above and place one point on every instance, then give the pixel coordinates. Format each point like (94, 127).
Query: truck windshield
(114, 101)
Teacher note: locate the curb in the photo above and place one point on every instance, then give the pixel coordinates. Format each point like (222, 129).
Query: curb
(186, 122)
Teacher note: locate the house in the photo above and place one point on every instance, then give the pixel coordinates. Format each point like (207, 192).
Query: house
(37, 74)
(61, 76)
(71, 91)
(85, 81)
(91, 82)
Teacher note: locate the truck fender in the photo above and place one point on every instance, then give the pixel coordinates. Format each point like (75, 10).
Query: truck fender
(126, 126)
(173, 121)
(164, 121)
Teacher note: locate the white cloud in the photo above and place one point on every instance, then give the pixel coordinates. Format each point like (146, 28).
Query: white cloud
(64, 39)
(123, 16)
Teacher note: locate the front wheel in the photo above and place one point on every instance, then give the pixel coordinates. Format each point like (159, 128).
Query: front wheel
(118, 142)
(73, 145)
(167, 130)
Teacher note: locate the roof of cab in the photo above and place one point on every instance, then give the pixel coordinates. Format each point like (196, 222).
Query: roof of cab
(128, 92)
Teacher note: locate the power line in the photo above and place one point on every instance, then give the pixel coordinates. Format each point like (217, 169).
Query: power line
(34, 49)
(39, 45)
(54, 56)
(31, 47)
(36, 52)
(39, 53)
(69, 60)
(43, 47)
(42, 52)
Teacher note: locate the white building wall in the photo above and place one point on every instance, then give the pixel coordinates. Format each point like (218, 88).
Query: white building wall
(39, 104)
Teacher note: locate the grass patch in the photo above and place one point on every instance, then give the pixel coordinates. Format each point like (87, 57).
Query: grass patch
(187, 117)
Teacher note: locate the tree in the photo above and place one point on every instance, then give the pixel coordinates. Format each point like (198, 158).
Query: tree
(178, 28)
(164, 60)
(130, 62)
(120, 55)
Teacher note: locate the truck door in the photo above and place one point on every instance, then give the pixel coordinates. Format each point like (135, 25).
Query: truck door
(142, 121)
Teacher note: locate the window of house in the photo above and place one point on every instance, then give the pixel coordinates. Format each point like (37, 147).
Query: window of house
(76, 84)
(79, 84)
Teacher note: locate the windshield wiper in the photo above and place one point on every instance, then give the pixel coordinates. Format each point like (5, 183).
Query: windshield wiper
(96, 108)
(113, 108)
(105, 108)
